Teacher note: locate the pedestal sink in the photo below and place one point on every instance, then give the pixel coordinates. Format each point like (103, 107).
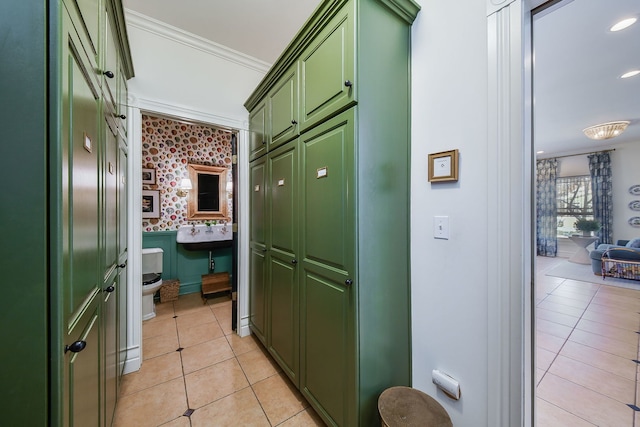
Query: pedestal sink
(202, 237)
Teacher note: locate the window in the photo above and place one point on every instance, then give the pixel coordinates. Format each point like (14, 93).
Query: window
(574, 200)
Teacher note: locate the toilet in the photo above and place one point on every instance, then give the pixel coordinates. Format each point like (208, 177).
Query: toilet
(151, 280)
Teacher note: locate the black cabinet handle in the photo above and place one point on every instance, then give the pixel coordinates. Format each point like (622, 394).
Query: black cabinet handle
(123, 265)
(348, 83)
(294, 261)
(109, 289)
(348, 282)
(122, 116)
(76, 347)
(293, 122)
(109, 74)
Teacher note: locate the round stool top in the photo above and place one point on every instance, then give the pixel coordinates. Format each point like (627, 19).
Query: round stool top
(406, 406)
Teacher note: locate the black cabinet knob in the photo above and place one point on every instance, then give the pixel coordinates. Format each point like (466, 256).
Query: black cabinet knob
(109, 289)
(348, 83)
(122, 116)
(123, 265)
(76, 347)
(294, 261)
(293, 122)
(109, 74)
(348, 282)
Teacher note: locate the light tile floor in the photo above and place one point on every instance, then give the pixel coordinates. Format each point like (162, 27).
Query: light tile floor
(226, 380)
(586, 343)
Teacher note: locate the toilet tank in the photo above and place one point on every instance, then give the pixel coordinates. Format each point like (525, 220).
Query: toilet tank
(152, 260)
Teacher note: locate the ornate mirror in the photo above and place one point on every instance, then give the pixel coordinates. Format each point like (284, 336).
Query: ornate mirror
(207, 199)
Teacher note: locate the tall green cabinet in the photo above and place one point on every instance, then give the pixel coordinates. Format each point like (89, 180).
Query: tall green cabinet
(64, 72)
(329, 215)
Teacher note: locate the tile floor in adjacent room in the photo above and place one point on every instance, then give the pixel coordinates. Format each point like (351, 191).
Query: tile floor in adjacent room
(226, 380)
(586, 343)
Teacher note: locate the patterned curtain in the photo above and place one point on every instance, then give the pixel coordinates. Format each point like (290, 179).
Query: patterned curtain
(600, 168)
(546, 209)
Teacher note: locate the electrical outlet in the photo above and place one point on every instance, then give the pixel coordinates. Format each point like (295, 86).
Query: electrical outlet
(441, 227)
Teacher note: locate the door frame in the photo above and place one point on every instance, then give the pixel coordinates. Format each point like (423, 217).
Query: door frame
(511, 370)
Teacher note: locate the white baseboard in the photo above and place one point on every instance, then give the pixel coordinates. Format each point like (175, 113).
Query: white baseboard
(133, 362)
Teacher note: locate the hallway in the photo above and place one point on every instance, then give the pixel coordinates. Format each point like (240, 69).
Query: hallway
(586, 343)
(194, 361)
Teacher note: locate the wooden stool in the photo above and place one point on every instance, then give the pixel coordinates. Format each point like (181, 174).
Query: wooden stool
(406, 406)
(213, 283)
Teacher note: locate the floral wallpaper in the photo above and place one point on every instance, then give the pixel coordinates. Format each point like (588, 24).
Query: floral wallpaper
(168, 146)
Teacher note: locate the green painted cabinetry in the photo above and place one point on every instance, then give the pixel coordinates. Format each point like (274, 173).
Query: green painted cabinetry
(336, 298)
(258, 131)
(66, 230)
(258, 250)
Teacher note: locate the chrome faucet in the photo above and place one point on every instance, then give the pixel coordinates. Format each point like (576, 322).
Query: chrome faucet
(193, 229)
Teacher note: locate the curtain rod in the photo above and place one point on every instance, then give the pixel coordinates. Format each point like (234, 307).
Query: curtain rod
(581, 154)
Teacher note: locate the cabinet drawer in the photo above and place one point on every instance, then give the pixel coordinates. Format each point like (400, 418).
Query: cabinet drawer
(327, 70)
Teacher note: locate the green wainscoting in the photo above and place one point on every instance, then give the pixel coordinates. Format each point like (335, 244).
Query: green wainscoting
(186, 266)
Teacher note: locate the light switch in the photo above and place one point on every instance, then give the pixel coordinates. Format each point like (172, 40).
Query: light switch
(441, 227)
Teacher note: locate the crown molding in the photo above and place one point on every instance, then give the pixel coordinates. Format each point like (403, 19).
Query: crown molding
(143, 22)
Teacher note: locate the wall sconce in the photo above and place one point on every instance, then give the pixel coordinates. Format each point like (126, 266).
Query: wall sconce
(184, 187)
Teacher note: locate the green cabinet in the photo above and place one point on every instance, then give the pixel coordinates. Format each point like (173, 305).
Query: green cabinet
(68, 181)
(337, 245)
(283, 254)
(258, 250)
(258, 131)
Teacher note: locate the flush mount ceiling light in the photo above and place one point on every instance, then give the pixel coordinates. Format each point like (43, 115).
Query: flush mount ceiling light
(605, 130)
(630, 74)
(623, 24)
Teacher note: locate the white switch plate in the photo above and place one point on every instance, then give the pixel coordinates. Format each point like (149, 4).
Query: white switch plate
(441, 227)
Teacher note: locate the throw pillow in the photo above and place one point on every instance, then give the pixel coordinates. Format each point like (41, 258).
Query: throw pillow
(635, 243)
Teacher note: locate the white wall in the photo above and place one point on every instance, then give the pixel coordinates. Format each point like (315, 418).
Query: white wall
(449, 277)
(625, 173)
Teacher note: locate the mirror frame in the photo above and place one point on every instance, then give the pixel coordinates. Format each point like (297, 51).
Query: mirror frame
(193, 211)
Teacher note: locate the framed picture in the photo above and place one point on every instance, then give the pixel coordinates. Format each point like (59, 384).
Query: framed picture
(150, 203)
(148, 176)
(443, 166)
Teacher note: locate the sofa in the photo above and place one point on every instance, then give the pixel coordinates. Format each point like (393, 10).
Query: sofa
(629, 251)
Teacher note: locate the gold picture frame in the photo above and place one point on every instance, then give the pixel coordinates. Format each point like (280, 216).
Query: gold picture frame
(443, 166)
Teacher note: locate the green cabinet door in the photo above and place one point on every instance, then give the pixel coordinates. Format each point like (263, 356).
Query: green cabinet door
(258, 250)
(283, 257)
(258, 131)
(110, 201)
(327, 70)
(283, 102)
(109, 356)
(328, 285)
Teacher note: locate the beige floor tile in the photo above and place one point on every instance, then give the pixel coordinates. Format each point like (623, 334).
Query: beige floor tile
(539, 375)
(214, 382)
(198, 334)
(238, 409)
(561, 308)
(178, 422)
(552, 328)
(603, 382)
(582, 285)
(549, 342)
(629, 293)
(241, 345)
(578, 288)
(548, 415)
(554, 316)
(605, 344)
(187, 303)
(195, 317)
(257, 365)
(584, 295)
(159, 344)
(164, 310)
(613, 317)
(205, 354)
(154, 371)
(607, 330)
(152, 406)
(544, 358)
(306, 418)
(619, 302)
(617, 365)
(279, 398)
(570, 302)
(154, 327)
(584, 403)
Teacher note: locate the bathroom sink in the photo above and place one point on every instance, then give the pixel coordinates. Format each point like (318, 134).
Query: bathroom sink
(202, 237)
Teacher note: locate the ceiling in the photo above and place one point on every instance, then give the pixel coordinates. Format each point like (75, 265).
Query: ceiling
(577, 60)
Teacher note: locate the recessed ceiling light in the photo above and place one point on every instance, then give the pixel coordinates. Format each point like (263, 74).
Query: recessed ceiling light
(630, 74)
(539, 152)
(623, 24)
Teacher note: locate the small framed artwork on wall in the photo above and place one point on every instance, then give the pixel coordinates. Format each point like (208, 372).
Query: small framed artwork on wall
(148, 176)
(443, 166)
(150, 203)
